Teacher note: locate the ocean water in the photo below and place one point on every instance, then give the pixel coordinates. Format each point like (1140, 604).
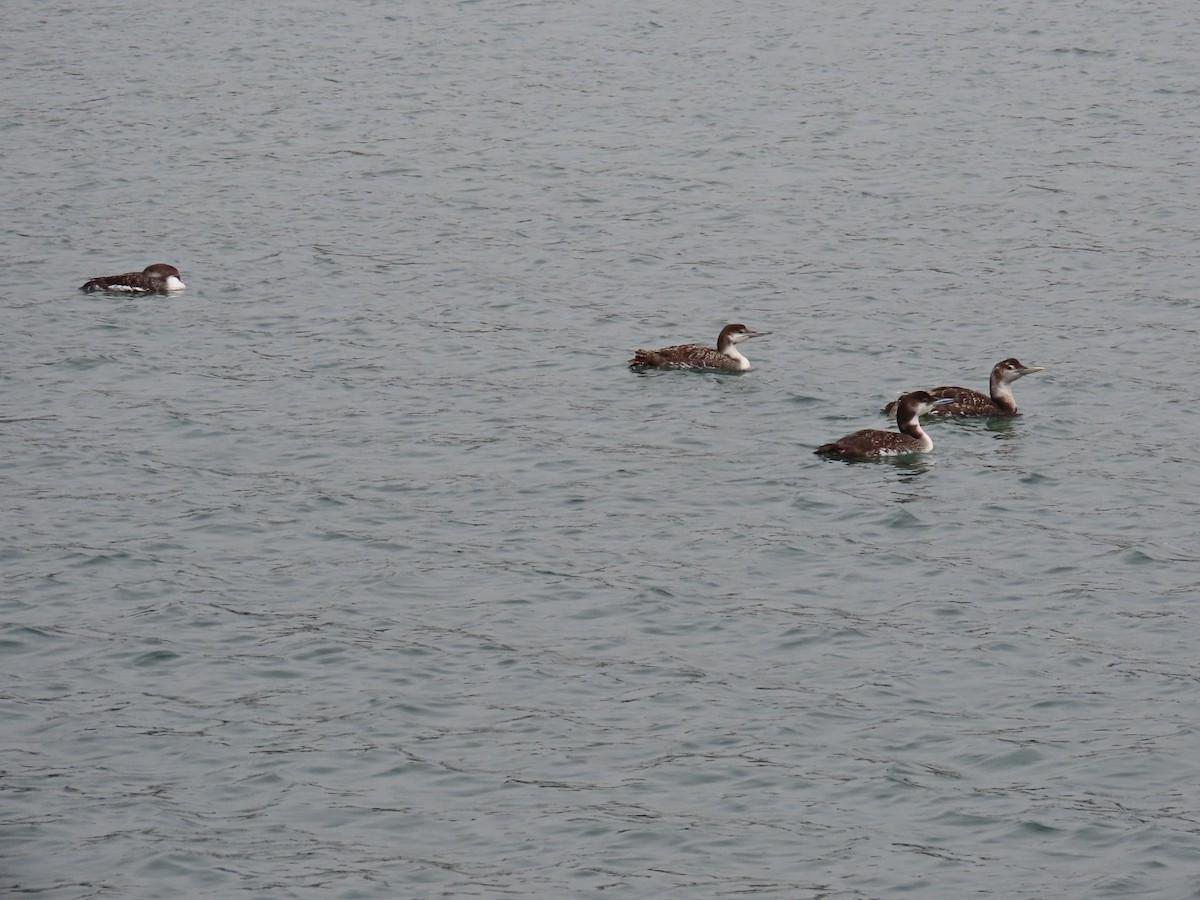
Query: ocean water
(366, 568)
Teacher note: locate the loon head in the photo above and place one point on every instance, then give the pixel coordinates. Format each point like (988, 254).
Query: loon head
(915, 404)
(1009, 370)
(166, 275)
(735, 334)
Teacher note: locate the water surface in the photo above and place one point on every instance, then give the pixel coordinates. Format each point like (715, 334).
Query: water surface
(366, 568)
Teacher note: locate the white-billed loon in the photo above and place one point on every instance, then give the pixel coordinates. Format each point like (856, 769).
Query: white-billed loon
(871, 443)
(156, 279)
(967, 402)
(697, 356)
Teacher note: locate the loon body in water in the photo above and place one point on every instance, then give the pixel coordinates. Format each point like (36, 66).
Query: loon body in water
(697, 356)
(871, 443)
(967, 402)
(156, 279)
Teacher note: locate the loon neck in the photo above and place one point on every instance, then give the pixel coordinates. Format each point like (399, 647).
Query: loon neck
(730, 349)
(912, 427)
(1002, 394)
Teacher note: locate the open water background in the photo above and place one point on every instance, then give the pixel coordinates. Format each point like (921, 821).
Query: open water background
(365, 568)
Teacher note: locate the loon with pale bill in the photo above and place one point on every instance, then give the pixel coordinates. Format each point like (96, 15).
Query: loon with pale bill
(156, 279)
(967, 402)
(725, 357)
(871, 443)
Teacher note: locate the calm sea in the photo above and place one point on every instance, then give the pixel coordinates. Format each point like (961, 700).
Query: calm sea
(365, 568)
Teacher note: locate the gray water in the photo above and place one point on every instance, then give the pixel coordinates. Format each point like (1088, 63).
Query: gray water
(366, 568)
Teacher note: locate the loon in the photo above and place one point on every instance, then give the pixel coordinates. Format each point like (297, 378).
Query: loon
(967, 402)
(157, 279)
(697, 356)
(871, 443)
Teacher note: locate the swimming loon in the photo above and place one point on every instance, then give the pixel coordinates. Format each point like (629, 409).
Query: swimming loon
(157, 279)
(967, 402)
(872, 443)
(697, 356)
